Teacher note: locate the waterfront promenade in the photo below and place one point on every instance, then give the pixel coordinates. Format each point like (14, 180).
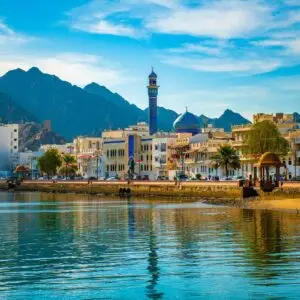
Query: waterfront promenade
(218, 192)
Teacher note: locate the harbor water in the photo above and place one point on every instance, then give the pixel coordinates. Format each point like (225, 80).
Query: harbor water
(67, 246)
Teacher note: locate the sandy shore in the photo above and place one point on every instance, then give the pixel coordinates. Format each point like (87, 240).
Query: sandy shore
(285, 204)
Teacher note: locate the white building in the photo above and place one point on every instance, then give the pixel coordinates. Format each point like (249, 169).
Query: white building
(9, 146)
(29, 159)
(161, 153)
(64, 148)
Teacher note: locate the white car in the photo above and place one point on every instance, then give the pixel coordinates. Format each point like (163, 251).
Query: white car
(112, 179)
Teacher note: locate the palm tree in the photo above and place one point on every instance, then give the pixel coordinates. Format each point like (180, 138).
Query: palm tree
(227, 158)
(68, 160)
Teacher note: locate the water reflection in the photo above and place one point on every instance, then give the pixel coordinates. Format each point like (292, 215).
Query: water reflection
(78, 246)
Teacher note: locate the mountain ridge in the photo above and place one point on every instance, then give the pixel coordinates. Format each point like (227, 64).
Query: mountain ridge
(86, 111)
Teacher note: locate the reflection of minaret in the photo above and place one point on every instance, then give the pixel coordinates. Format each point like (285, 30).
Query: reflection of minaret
(153, 264)
(131, 219)
(152, 93)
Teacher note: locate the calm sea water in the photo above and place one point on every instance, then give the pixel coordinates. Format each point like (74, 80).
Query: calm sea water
(79, 247)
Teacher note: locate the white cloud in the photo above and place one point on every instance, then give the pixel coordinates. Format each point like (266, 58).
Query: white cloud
(105, 27)
(196, 48)
(216, 65)
(79, 69)
(221, 19)
(9, 37)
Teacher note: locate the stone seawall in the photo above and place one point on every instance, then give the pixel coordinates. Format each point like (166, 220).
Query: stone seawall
(228, 190)
(196, 189)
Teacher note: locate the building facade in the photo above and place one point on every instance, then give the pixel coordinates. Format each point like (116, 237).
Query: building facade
(119, 152)
(90, 158)
(289, 129)
(9, 146)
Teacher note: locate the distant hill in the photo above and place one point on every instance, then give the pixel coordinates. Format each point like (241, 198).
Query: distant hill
(33, 95)
(33, 135)
(11, 112)
(131, 111)
(72, 110)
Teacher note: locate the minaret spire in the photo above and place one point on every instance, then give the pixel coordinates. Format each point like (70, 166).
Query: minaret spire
(152, 94)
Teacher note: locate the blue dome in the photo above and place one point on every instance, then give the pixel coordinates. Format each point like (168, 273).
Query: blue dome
(153, 74)
(187, 123)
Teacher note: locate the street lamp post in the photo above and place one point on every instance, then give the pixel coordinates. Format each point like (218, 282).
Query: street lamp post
(295, 159)
(97, 166)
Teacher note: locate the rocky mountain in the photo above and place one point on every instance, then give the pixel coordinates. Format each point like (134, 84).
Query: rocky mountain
(33, 135)
(72, 110)
(75, 111)
(10, 112)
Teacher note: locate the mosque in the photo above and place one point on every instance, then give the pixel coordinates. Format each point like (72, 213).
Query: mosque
(185, 123)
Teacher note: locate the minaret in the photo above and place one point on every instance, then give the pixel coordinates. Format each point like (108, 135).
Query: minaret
(152, 93)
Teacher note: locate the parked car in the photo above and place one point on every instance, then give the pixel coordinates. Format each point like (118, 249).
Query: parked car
(182, 177)
(297, 178)
(226, 179)
(145, 177)
(162, 178)
(92, 178)
(113, 178)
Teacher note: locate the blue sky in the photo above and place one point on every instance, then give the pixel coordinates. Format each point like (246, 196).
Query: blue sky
(209, 55)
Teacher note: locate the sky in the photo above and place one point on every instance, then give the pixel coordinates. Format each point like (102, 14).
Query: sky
(209, 55)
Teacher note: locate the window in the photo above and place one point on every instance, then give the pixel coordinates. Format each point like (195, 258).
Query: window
(290, 161)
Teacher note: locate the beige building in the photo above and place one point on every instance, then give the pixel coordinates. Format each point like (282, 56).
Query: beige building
(118, 153)
(140, 129)
(64, 148)
(202, 149)
(289, 130)
(89, 155)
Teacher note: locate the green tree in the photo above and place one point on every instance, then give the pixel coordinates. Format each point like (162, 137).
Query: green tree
(70, 170)
(68, 161)
(50, 162)
(227, 158)
(265, 137)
